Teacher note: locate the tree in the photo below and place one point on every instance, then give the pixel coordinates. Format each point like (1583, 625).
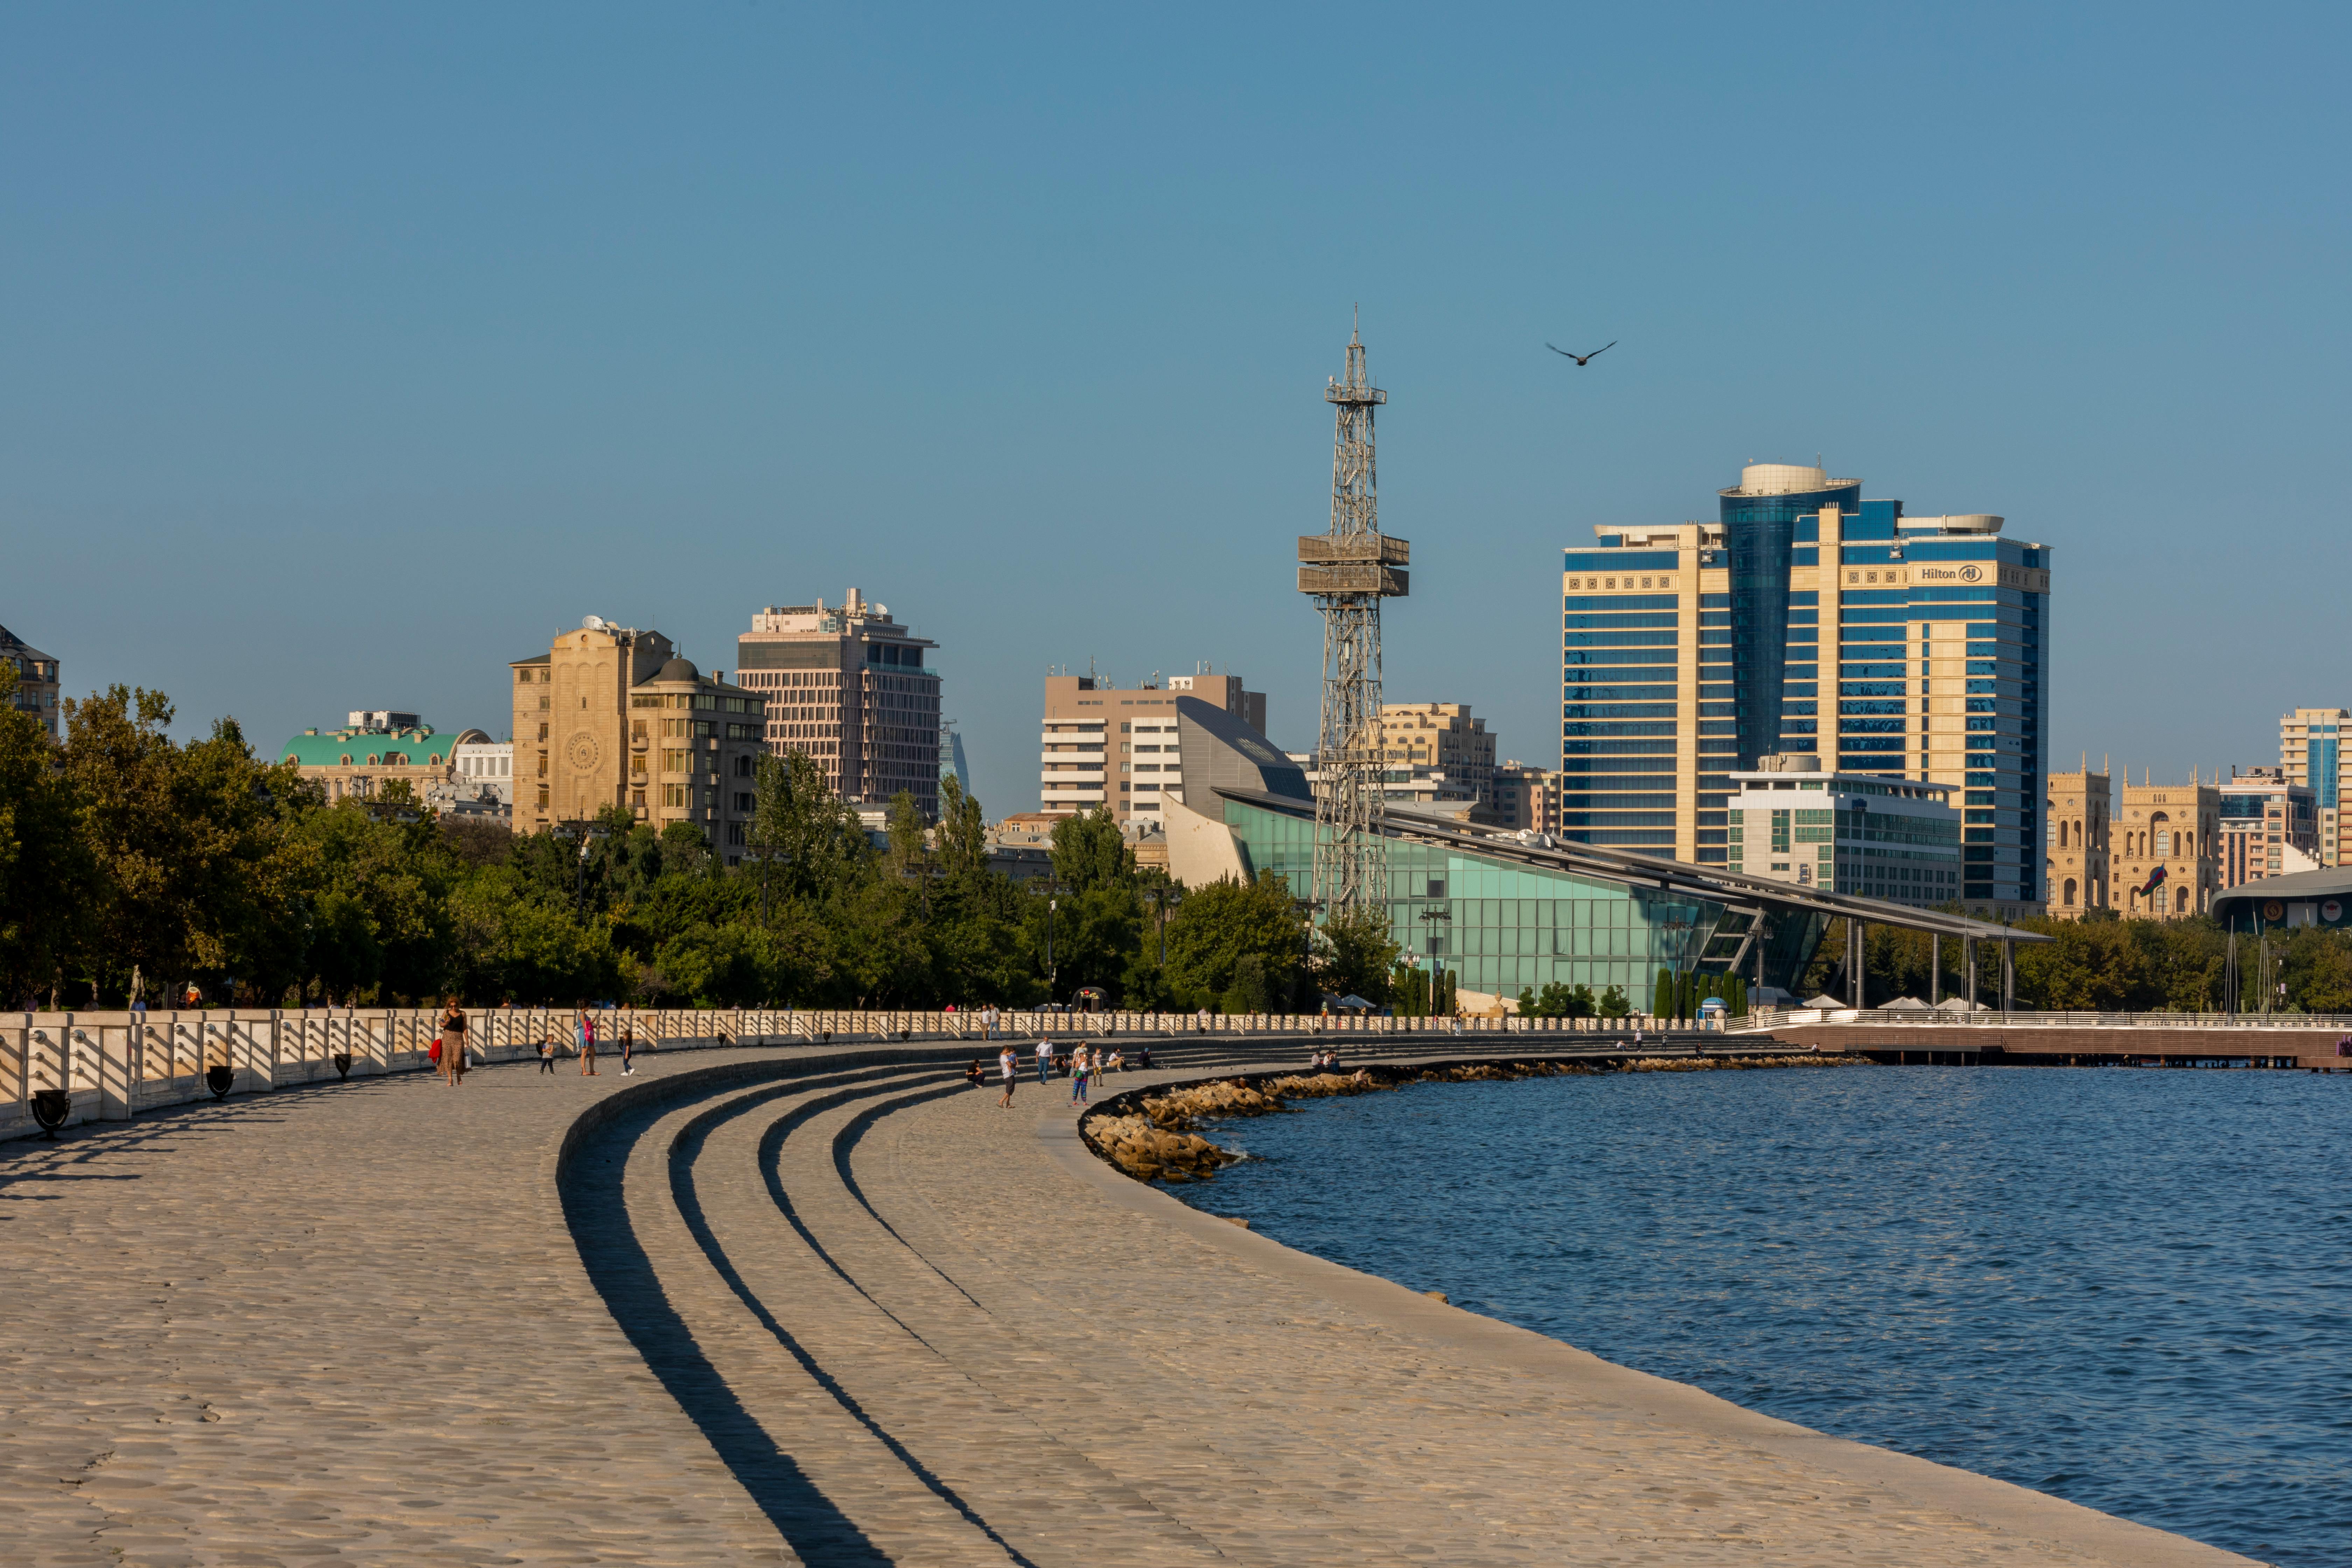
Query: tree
(1661, 995)
(1613, 1004)
(187, 843)
(1097, 935)
(1409, 986)
(1217, 926)
(1354, 955)
(49, 877)
(1089, 851)
(810, 840)
(1249, 994)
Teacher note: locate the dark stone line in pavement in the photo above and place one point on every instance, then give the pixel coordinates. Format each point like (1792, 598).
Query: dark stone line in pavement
(683, 1155)
(815, 1528)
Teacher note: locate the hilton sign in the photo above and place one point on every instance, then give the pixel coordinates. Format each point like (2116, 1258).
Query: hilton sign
(2031, 580)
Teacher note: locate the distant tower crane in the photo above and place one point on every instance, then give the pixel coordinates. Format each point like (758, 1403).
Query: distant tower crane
(1348, 571)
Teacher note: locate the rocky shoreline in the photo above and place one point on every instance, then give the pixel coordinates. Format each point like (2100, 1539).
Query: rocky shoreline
(1150, 1134)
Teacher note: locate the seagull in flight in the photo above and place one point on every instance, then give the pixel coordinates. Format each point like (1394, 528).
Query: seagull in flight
(1583, 359)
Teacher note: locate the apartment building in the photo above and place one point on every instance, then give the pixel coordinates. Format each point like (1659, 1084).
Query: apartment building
(1525, 798)
(2269, 827)
(1806, 618)
(611, 716)
(1845, 833)
(1125, 748)
(2311, 750)
(855, 691)
(36, 681)
(1444, 737)
(2076, 850)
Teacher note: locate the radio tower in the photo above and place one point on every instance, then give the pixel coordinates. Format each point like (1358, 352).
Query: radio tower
(1348, 571)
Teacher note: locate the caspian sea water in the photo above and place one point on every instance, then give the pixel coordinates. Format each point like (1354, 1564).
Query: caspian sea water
(2129, 1288)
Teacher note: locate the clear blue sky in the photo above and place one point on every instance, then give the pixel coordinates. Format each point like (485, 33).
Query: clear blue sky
(348, 353)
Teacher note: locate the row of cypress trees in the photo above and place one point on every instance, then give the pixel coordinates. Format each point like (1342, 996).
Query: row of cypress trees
(1678, 996)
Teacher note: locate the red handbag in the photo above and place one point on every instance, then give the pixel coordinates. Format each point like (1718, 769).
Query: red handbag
(434, 1055)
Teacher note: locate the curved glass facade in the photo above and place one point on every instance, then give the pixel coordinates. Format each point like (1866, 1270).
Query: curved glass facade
(1760, 537)
(1500, 925)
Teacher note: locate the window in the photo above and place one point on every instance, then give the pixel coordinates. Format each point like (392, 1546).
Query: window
(542, 734)
(743, 806)
(674, 761)
(674, 794)
(636, 767)
(542, 797)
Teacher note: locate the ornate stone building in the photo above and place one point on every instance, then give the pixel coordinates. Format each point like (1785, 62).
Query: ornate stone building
(2163, 861)
(2076, 849)
(612, 716)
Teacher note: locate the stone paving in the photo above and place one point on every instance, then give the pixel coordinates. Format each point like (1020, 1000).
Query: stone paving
(856, 1314)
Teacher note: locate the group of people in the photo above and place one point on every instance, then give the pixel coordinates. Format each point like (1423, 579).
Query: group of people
(1085, 1065)
(449, 1051)
(1322, 1059)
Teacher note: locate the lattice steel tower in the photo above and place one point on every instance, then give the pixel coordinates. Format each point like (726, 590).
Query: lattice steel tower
(1349, 571)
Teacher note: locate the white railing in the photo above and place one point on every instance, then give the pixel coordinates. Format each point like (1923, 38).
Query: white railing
(1994, 1018)
(115, 1065)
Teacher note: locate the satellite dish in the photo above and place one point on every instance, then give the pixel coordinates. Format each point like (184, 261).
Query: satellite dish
(591, 623)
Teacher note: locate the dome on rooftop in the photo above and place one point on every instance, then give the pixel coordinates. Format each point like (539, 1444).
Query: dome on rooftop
(677, 669)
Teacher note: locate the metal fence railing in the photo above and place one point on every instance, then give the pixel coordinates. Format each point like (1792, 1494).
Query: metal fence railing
(113, 1065)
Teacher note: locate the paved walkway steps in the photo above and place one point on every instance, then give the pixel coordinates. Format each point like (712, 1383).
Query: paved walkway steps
(831, 1306)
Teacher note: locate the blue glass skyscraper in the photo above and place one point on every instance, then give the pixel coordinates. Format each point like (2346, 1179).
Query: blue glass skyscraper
(1807, 619)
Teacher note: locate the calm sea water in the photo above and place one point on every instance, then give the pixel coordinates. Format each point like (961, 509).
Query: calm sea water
(2132, 1288)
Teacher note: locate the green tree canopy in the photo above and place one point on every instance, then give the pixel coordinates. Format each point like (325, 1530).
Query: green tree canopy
(1217, 926)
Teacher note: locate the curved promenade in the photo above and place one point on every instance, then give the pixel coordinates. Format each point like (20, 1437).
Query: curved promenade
(828, 1306)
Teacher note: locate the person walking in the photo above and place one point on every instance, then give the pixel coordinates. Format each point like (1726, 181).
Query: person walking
(1045, 1058)
(988, 1020)
(547, 1046)
(628, 1039)
(453, 1045)
(1008, 1068)
(1082, 1065)
(587, 1043)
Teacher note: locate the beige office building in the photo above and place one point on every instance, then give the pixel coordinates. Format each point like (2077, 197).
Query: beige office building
(855, 691)
(610, 716)
(1125, 748)
(2080, 807)
(1441, 735)
(2312, 752)
(2269, 827)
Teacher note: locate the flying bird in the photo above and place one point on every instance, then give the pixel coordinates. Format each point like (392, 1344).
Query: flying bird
(1582, 359)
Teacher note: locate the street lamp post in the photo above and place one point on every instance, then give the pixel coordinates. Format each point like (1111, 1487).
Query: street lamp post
(1053, 887)
(1680, 926)
(1431, 918)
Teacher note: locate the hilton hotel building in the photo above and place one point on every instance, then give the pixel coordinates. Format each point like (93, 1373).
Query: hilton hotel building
(1806, 619)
